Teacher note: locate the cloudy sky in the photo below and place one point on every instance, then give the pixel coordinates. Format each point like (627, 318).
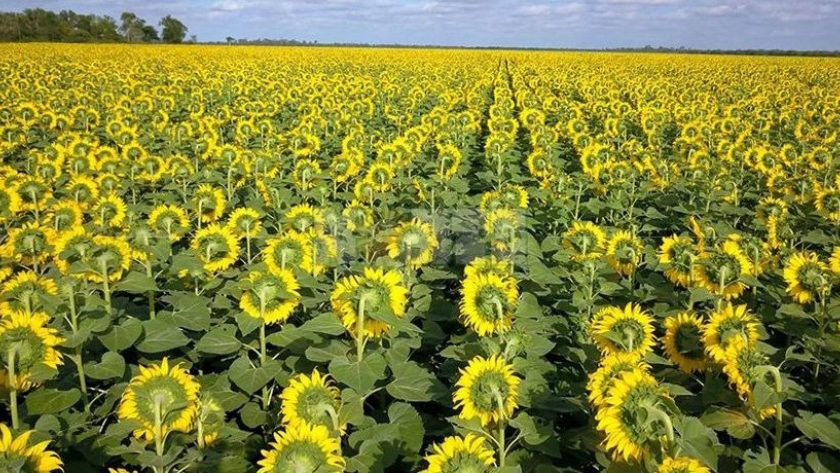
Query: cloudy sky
(726, 24)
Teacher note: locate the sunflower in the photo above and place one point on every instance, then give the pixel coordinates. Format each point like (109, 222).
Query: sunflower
(170, 219)
(17, 455)
(726, 324)
(302, 217)
(291, 249)
(683, 342)
(345, 165)
(624, 252)
(678, 254)
(488, 303)
(413, 242)
(501, 226)
(380, 175)
(601, 382)
(461, 454)
(26, 340)
(305, 173)
(209, 203)
(83, 190)
(514, 196)
(540, 164)
(720, 270)
(627, 432)
(65, 216)
(109, 212)
(681, 465)
(108, 257)
(323, 251)
(359, 216)
(303, 447)
(244, 222)
(806, 277)
(160, 394)
(217, 247)
(486, 386)
(834, 261)
(271, 297)
(489, 265)
(26, 289)
(376, 291)
(585, 241)
(628, 330)
(365, 190)
(210, 419)
(827, 201)
(310, 400)
(448, 161)
(740, 362)
(10, 203)
(30, 244)
(491, 201)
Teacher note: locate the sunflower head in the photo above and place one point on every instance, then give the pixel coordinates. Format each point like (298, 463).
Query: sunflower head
(720, 270)
(323, 251)
(17, 455)
(30, 244)
(217, 247)
(302, 217)
(585, 241)
(306, 173)
(448, 161)
(376, 291)
(289, 250)
(209, 203)
(488, 265)
(28, 342)
(359, 216)
(311, 400)
(109, 212)
(502, 226)
(413, 242)
(600, 382)
(489, 302)
(211, 417)
(270, 297)
(624, 252)
(468, 454)
(741, 359)
(683, 342)
(807, 277)
(65, 216)
(244, 222)
(681, 465)
(170, 220)
(678, 255)
(25, 292)
(628, 330)
(162, 398)
(380, 174)
(303, 447)
(725, 325)
(487, 390)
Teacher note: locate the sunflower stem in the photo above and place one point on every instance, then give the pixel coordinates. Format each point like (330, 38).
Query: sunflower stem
(158, 432)
(777, 441)
(263, 352)
(77, 356)
(13, 387)
(106, 286)
(667, 423)
(500, 403)
(360, 330)
(151, 294)
(248, 243)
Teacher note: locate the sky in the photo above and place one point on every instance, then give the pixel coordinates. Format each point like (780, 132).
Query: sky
(593, 24)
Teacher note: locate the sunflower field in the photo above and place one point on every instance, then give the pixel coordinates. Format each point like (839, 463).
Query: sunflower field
(265, 259)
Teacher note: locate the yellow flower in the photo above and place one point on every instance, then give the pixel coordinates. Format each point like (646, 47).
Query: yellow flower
(376, 291)
(358, 215)
(26, 340)
(65, 216)
(413, 243)
(585, 241)
(30, 244)
(244, 222)
(209, 420)
(601, 382)
(303, 448)
(488, 303)
(448, 161)
(624, 252)
(489, 265)
(681, 465)
(678, 254)
(109, 212)
(502, 226)
(461, 454)
(170, 219)
(160, 397)
(270, 297)
(380, 174)
(740, 361)
(725, 325)
(683, 342)
(10, 203)
(720, 270)
(15, 452)
(806, 277)
(289, 250)
(26, 289)
(834, 261)
(485, 386)
(323, 251)
(217, 248)
(302, 217)
(310, 400)
(108, 257)
(209, 203)
(305, 173)
(628, 330)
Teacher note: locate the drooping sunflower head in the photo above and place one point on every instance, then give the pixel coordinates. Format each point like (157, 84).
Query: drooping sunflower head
(323, 252)
(289, 250)
(827, 202)
(448, 161)
(486, 386)
(678, 255)
(30, 244)
(209, 203)
(109, 212)
(108, 257)
(514, 196)
(17, 455)
(540, 164)
(346, 165)
(600, 382)
(83, 190)
(27, 341)
(170, 220)
(217, 247)
(25, 292)
(491, 201)
(628, 330)
(468, 454)
(359, 216)
(270, 297)
(376, 291)
(502, 227)
(244, 222)
(10, 203)
(310, 400)
(771, 206)
(365, 191)
(488, 265)
(65, 215)
(725, 325)
(624, 252)
(681, 465)
(413, 242)
(489, 302)
(807, 277)
(380, 173)
(164, 392)
(683, 342)
(302, 217)
(719, 271)
(585, 241)
(306, 173)
(303, 447)
(740, 362)
(629, 432)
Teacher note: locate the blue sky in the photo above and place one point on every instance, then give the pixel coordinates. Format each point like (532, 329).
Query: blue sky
(725, 24)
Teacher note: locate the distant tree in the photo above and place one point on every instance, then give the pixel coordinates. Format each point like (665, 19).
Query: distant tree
(173, 30)
(230, 39)
(131, 27)
(150, 34)
(193, 39)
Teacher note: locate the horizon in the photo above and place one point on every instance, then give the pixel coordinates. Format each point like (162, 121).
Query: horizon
(596, 25)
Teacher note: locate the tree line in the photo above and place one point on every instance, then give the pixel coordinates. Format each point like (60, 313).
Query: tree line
(37, 24)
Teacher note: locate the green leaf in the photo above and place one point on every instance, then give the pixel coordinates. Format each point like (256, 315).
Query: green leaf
(698, 441)
(159, 336)
(122, 336)
(409, 424)
(414, 383)
(111, 366)
(219, 341)
(362, 377)
(327, 323)
(822, 462)
(136, 282)
(50, 401)
(253, 416)
(735, 423)
(819, 427)
(246, 323)
(251, 379)
(189, 311)
(531, 433)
